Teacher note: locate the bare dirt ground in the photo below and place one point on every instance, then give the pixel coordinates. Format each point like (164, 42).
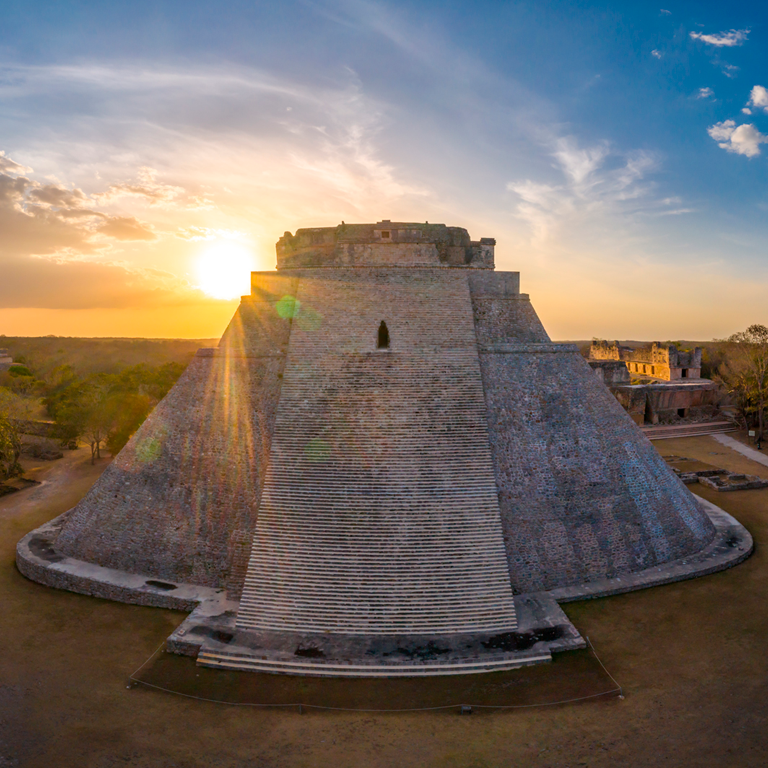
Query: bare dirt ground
(691, 657)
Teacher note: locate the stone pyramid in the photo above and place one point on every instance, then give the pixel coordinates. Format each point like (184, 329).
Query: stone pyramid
(385, 468)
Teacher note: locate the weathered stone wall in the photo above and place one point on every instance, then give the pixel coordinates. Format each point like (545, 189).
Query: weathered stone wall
(583, 495)
(668, 404)
(666, 363)
(603, 350)
(632, 399)
(176, 500)
(610, 372)
(385, 244)
(503, 314)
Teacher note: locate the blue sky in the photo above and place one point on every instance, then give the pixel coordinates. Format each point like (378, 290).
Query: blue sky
(605, 146)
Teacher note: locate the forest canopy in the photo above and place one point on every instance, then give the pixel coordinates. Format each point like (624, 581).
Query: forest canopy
(97, 391)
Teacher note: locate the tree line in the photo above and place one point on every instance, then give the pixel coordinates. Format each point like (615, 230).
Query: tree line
(101, 409)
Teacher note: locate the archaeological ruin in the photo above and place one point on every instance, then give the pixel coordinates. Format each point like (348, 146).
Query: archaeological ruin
(386, 468)
(656, 384)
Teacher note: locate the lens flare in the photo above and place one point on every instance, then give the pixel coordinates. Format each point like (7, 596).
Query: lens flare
(224, 270)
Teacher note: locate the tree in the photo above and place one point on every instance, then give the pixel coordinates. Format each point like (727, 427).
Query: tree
(14, 406)
(744, 373)
(10, 449)
(97, 412)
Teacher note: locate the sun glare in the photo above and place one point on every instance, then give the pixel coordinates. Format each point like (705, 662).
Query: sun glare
(224, 269)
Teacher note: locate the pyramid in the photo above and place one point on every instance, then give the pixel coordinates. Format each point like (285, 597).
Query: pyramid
(385, 468)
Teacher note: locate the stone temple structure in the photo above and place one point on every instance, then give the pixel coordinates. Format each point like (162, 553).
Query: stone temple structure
(658, 384)
(385, 468)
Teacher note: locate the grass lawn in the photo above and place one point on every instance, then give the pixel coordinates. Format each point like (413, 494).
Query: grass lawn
(690, 656)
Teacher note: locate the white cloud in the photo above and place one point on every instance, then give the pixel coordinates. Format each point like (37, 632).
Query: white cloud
(705, 93)
(758, 98)
(722, 131)
(742, 139)
(656, 53)
(665, 12)
(746, 111)
(723, 39)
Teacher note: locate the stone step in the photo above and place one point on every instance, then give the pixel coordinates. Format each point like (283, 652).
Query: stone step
(469, 666)
(661, 432)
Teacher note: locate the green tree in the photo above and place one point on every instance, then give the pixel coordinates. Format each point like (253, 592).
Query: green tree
(744, 373)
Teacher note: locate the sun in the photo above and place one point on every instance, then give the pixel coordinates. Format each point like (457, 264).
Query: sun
(224, 270)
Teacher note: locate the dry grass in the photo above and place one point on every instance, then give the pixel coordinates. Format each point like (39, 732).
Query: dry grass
(691, 658)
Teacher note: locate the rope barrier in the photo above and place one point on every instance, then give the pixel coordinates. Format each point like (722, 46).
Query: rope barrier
(301, 706)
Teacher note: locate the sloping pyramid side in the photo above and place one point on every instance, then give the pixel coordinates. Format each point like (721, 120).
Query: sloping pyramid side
(179, 501)
(583, 494)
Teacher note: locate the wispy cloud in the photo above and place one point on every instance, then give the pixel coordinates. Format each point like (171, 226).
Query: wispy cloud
(742, 140)
(723, 39)
(146, 188)
(49, 219)
(325, 133)
(57, 249)
(598, 184)
(705, 93)
(656, 54)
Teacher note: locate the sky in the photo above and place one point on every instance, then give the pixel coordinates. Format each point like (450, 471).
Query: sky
(153, 153)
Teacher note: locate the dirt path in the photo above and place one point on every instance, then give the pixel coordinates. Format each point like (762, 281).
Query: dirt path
(691, 657)
(66, 479)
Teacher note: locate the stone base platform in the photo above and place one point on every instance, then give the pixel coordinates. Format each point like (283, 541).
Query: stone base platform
(732, 544)
(210, 633)
(542, 629)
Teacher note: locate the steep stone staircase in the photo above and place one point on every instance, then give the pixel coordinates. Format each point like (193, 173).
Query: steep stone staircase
(380, 512)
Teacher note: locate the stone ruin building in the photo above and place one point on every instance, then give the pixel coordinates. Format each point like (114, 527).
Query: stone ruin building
(666, 363)
(657, 384)
(386, 468)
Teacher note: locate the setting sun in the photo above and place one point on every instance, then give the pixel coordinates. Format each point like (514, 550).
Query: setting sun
(224, 268)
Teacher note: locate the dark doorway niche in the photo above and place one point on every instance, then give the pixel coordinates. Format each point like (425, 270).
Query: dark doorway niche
(383, 342)
(648, 415)
(681, 412)
(684, 373)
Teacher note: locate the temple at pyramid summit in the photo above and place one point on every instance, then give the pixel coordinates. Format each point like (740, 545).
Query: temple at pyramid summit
(386, 468)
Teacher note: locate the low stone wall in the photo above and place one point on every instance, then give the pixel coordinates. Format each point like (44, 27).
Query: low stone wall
(38, 559)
